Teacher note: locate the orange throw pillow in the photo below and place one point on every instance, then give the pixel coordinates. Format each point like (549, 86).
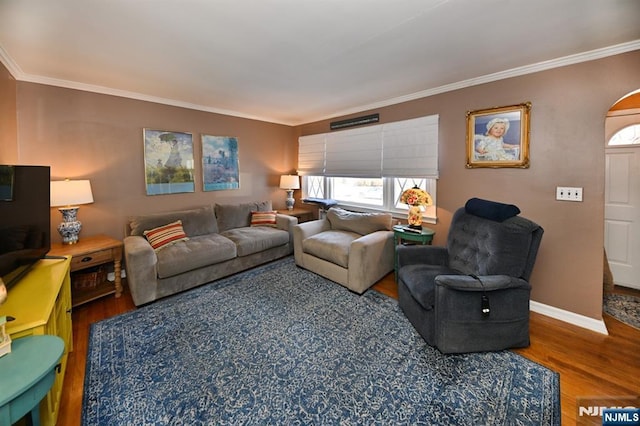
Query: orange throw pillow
(166, 235)
(267, 218)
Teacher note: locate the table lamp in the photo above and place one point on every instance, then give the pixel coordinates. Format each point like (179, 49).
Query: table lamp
(289, 183)
(68, 195)
(416, 198)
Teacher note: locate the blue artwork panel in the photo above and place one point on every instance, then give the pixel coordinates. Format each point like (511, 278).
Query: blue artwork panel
(220, 169)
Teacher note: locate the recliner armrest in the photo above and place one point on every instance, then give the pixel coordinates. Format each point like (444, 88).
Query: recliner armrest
(418, 254)
(489, 282)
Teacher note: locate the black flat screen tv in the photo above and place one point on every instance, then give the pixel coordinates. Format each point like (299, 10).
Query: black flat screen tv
(25, 219)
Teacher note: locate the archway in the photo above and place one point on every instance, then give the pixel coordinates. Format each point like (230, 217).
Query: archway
(622, 191)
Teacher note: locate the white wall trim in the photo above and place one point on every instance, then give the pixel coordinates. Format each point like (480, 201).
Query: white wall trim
(572, 318)
(514, 72)
(20, 75)
(10, 64)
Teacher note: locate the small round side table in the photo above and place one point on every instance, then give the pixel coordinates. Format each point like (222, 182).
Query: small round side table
(27, 374)
(400, 234)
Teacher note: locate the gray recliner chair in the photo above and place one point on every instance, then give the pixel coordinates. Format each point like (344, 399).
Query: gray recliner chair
(473, 294)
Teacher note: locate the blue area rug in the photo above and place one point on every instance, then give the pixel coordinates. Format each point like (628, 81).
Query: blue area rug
(280, 345)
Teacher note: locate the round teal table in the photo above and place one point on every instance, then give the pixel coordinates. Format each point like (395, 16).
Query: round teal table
(400, 234)
(26, 375)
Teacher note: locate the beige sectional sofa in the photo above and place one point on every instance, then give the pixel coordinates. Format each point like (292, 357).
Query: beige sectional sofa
(353, 249)
(221, 241)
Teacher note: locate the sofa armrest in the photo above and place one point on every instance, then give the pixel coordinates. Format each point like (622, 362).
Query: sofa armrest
(303, 231)
(286, 222)
(419, 254)
(140, 262)
(370, 258)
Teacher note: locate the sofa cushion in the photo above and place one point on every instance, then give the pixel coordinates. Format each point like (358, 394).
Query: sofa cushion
(264, 219)
(251, 240)
(332, 246)
(199, 251)
(361, 223)
(199, 221)
(231, 216)
(166, 235)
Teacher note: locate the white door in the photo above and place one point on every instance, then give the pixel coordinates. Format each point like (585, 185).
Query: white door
(622, 214)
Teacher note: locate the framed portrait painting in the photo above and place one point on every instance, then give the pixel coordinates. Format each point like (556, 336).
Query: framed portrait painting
(499, 137)
(220, 168)
(168, 162)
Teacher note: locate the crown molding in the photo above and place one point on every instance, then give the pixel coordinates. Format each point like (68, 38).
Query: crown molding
(513, 72)
(591, 55)
(10, 64)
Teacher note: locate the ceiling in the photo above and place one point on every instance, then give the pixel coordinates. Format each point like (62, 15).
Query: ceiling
(299, 61)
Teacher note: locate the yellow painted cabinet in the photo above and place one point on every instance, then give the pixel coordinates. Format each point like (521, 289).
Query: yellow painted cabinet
(41, 304)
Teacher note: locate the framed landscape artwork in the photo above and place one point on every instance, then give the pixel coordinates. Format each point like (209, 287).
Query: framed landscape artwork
(220, 166)
(168, 162)
(498, 137)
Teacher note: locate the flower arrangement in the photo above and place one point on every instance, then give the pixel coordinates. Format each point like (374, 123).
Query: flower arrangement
(416, 197)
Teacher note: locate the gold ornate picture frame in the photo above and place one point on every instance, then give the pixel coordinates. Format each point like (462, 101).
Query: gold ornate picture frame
(499, 137)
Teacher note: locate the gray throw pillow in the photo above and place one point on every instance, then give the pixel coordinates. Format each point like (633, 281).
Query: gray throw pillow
(231, 216)
(200, 221)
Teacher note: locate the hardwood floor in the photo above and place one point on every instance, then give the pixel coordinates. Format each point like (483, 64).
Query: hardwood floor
(590, 364)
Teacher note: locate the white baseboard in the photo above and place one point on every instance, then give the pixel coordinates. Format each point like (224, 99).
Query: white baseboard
(572, 318)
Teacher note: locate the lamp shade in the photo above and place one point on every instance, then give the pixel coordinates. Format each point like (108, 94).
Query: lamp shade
(289, 182)
(70, 192)
(416, 197)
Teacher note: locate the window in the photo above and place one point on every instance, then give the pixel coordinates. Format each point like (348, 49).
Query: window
(630, 135)
(357, 191)
(380, 194)
(369, 167)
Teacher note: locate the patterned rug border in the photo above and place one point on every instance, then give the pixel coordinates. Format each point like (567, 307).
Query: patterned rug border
(623, 307)
(385, 306)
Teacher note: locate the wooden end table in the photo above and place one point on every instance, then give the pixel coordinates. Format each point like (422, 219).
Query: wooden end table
(87, 253)
(302, 214)
(425, 237)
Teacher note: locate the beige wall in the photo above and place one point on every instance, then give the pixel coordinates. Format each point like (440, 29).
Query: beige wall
(8, 118)
(100, 137)
(569, 106)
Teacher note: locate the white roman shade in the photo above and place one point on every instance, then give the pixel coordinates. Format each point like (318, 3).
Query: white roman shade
(407, 148)
(311, 152)
(410, 148)
(354, 153)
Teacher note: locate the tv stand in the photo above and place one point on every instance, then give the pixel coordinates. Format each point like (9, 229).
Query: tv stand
(41, 304)
(54, 257)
